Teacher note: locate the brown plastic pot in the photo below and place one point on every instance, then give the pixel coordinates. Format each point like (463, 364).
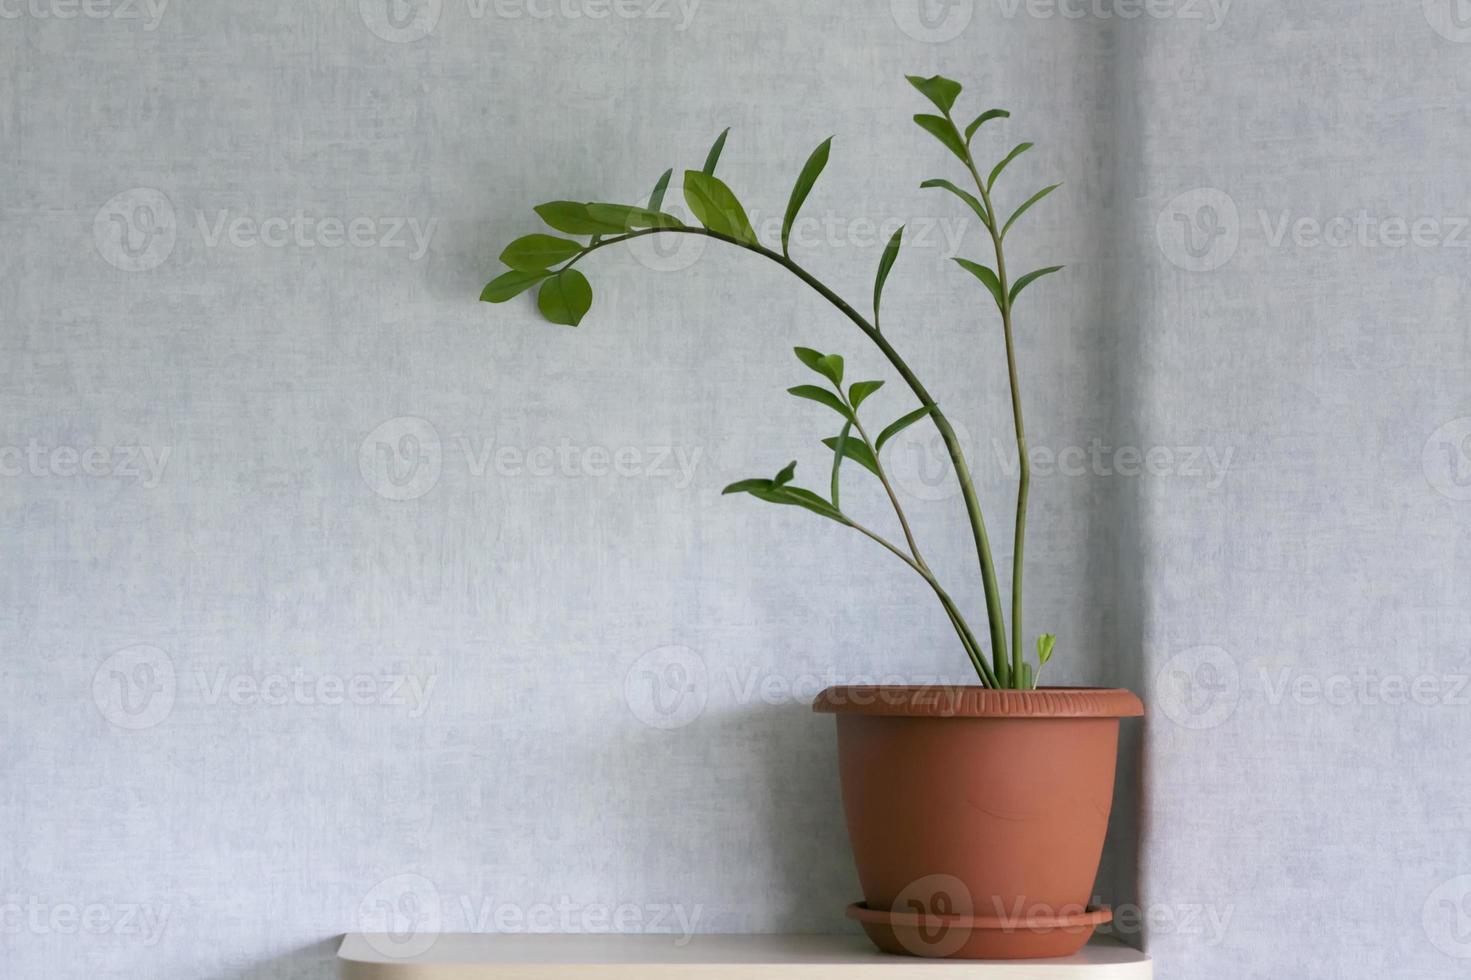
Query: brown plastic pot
(977, 816)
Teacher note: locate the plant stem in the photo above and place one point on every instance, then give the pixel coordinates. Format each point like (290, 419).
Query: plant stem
(994, 615)
(1024, 482)
(921, 566)
(967, 638)
(893, 499)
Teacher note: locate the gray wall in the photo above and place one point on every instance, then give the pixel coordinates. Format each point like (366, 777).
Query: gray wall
(328, 591)
(1306, 627)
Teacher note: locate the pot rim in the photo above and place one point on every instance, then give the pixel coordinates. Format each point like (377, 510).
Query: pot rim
(974, 701)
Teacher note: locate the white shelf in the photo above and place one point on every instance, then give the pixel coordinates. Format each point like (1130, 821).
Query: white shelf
(467, 956)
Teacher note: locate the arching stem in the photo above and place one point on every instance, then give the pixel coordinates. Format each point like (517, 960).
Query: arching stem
(995, 617)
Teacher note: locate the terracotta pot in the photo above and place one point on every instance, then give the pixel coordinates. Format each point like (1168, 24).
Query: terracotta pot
(977, 817)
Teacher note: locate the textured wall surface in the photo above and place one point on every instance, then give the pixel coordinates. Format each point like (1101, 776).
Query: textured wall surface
(331, 599)
(1307, 625)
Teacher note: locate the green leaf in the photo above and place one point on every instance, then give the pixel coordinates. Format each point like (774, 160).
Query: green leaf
(982, 119)
(510, 284)
(823, 397)
(1023, 209)
(717, 207)
(802, 497)
(786, 474)
(985, 275)
(565, 298)
(855, 450)
(996, 172)
(938, 89)
(784, 494)
(713, 157)
(891, 252)
(1029, 681)
(533, 253)
(898, 426)
(624, 217)
(572, 217)
(861, 390)
(842, 443)
(1030, 278)
(746, 486)
(1045, 643)
(966, 196)
(943, 130)
(656, 199)
(833, 368)
(830, 366)
(809, 357)
(811, 170)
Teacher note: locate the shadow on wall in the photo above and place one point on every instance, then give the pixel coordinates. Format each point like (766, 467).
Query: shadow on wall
(1118, 551)
(803, 816)
(786, 846)
(315, 962)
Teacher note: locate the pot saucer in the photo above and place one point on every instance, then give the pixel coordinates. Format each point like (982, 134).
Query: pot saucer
(974, 937)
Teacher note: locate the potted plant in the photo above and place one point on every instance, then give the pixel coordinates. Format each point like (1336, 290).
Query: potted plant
(977, 813)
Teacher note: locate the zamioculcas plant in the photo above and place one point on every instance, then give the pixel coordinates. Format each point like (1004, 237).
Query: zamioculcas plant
(549, 262)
